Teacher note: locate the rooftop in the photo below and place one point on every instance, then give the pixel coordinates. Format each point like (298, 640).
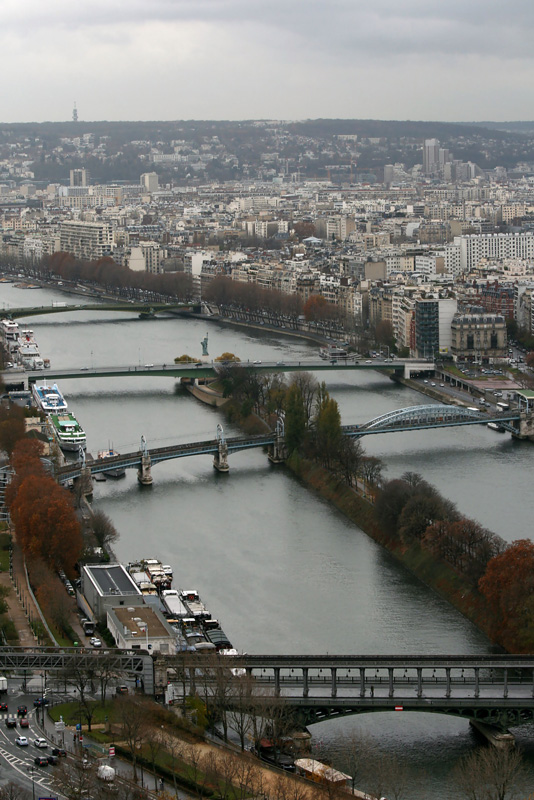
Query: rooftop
(111, 579)
(141, 621)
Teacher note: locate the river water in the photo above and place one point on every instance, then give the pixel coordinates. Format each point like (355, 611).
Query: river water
(282, 569)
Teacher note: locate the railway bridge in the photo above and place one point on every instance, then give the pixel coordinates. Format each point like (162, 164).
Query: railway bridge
(495, 690)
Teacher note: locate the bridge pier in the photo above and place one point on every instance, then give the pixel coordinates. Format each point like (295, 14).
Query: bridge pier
(220, 459)
(502, 740)
(526, 426)
(86, 482)
(305, 684)
(277, 451)
(333, 672)
(144, 473)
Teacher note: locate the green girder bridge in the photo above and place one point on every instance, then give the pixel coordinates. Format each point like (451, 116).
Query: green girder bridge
(404, 419)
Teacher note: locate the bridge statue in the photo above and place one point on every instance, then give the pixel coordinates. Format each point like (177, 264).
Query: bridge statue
(204, 345)
(277, 452)
(144, 473)
(85, 479)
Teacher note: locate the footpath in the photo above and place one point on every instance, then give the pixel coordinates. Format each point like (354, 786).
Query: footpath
(269, 778)
(21, 608)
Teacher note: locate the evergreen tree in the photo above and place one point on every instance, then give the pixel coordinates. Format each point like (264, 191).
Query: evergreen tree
(295, 418)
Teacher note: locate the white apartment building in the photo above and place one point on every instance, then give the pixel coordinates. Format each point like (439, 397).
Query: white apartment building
(35, 247)
(494, 247)
(149, 181)
(86, 240)
(153, 255)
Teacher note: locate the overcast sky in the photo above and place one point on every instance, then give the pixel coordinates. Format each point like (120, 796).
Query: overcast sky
(259, 59)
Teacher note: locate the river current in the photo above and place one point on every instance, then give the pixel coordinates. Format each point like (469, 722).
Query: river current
(281, 569)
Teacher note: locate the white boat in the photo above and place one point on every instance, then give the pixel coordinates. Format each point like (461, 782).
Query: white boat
(68, 432)
(112, 472)
(334, 353)
(48, 398)
(496, 427)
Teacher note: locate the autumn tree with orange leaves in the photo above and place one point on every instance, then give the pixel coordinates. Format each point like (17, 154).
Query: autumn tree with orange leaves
(508, 586)
(42, 512)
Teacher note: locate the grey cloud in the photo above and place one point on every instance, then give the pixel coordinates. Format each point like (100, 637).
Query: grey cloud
(382, 27)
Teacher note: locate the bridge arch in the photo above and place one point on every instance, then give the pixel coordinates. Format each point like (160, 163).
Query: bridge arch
(498, 718)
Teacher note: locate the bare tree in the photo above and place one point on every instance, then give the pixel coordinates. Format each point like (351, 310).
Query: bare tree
(132, 717)
(82, 678)
(241, 712)
(491, 774)
(76, 779)
(175, 749)
(12, 791)
(103, 529)
(354, 752)
(154, 742)
(285, 788)
(308, 389)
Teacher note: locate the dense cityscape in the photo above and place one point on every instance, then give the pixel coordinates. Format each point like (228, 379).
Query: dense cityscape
(395, 231)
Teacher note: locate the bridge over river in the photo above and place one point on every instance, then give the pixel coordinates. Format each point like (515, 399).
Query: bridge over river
(401, 420)
(496, 690)
(210, 369)
(493, 690)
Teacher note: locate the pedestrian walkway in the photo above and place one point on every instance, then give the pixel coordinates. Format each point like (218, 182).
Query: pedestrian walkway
(21, 608)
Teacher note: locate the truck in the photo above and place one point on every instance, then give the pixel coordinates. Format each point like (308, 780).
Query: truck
(3, 684)
(106, 773)
(88, 627)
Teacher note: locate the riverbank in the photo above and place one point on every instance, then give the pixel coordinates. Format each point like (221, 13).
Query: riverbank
(435, 574)
(421, 563)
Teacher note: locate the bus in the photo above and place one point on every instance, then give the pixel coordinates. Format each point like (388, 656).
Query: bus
(503, 407)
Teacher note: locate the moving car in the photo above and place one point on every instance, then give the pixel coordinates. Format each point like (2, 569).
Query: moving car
(22, 711)
(24, 722)
(22, 741)
(11, 722)
(40, 761)
(58, 751)
(40, 701)
(40, 742)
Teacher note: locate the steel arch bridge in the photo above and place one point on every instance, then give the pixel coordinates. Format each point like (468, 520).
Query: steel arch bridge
(429, 416)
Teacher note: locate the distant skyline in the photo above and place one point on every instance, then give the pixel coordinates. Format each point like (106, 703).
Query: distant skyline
(249, 59)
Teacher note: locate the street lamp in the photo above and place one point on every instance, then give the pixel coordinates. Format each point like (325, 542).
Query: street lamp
(32, 771)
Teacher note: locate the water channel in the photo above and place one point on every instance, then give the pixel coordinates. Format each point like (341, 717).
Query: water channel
(281, 569)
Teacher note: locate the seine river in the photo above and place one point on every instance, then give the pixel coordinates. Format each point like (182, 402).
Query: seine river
(282, 569)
